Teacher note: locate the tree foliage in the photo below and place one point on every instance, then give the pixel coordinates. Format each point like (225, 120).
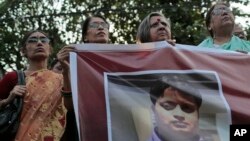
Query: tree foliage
(62, 20)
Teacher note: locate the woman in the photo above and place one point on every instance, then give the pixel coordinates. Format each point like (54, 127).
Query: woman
(95, 29)
(220, 24)
(43, 115)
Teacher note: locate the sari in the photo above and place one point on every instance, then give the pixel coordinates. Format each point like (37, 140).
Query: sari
(44, 116)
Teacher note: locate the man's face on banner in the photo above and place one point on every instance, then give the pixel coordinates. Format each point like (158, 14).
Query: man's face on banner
(176, 113)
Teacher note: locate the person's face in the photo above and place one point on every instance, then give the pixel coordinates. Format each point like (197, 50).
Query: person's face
(98, 31)
(221, 16)
(37, 46)
(239, 32)
(159, 29)
(57, 68)
(176, 114)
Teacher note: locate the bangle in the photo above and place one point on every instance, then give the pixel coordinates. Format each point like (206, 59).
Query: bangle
(66, 93)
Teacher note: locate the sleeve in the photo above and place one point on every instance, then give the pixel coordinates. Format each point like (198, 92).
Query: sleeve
(7, 83)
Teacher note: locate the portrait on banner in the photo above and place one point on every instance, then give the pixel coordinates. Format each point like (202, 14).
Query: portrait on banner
(166, 105)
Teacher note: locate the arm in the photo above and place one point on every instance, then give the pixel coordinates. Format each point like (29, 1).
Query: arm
(7, 83)
(63, 58)
(9, 89)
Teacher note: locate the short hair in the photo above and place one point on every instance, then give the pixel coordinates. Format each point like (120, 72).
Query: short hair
(209, 15)
(85, 25)
(158, 88)
(143, 31)
(27, 35)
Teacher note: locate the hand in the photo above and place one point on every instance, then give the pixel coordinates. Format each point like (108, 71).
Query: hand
(63, 56)
(241, 51)
(171, 41)
(18, 90)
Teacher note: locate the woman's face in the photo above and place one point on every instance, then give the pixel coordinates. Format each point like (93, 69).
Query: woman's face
(159, 29)
(221, 16)
(37, 47)
(98, 31)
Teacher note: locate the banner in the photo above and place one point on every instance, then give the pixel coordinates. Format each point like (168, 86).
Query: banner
(156, 92)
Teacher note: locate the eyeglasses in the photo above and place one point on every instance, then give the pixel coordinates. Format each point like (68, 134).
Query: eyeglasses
(156, 24)
(97, 25)
(219, 11)
(169, 105)
(36, 40)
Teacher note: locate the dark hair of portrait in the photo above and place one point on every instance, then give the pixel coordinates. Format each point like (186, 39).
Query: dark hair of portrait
(158, 88)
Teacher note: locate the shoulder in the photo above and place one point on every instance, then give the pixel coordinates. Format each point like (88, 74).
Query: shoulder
(244, 44)
(237, 39)
(206, 43)
(10, 76)
(7, 83)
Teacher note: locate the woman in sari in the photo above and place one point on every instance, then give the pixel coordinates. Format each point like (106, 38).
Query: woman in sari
(44, 114)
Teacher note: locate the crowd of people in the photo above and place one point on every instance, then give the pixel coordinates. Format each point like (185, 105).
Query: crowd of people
(48, 108)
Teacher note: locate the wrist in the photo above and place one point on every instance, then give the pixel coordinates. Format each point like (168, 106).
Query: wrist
(3, 103)
(65, 71)
(66, 93)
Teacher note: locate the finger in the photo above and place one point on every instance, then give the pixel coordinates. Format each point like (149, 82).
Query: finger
(65, 58)
(70, 47)
(172, 42)
(63, 52)
(67, 49)
(21, 91)
(241, 51)
(62, 55)
(66, 62)
(21, 86)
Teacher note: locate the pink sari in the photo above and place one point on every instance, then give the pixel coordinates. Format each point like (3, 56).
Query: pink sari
(44, 115)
